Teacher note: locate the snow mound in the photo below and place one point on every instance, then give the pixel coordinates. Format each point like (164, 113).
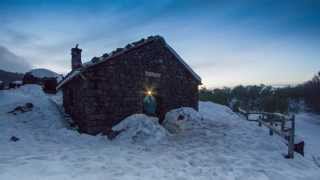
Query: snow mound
(42, 73)
(181, 119)
(44, 113)
(139, 128)
(216, 112)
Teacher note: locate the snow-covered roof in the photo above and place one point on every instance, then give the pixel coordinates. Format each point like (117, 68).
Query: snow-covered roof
(98, 60)
(16, 82)
(42, 73)
(70, 76)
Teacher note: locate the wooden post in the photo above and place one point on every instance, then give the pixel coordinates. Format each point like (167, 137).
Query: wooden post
(270, 130)
(282, 125)
(260, 118)
(291, 139)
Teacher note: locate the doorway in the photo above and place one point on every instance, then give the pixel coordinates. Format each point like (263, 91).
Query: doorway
(149, 105)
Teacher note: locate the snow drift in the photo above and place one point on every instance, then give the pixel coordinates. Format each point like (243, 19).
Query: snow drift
(140, 128)
(182, 119)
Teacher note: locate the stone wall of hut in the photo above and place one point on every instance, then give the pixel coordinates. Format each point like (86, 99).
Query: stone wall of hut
(107, 93)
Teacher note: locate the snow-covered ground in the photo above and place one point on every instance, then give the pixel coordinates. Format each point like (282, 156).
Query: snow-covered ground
(215, 144)
(308, 128)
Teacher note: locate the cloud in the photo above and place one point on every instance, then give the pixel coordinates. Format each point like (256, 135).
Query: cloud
(225, 42)
(11, 62)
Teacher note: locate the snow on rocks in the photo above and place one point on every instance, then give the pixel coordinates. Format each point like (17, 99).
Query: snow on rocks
(139, 128)
(182, 119)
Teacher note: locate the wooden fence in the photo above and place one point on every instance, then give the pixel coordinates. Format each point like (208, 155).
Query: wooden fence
(281, 124)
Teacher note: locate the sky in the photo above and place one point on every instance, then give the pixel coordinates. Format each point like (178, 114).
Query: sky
(226, 42)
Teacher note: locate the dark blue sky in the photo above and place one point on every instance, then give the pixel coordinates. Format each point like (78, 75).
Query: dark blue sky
(226, 42)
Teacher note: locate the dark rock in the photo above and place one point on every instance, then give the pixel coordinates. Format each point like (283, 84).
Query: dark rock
(119, 50)
(29, 105)
(22, 109)
(139, 42)
(105, 55)
(95, 59)
(180, 117)
(128, 46)
(14, 139)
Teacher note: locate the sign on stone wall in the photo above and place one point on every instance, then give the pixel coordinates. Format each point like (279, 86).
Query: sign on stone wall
(152, 74)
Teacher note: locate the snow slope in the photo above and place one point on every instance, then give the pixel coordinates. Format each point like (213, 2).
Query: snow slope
(220, 146)
(308, 128)
(42, 73)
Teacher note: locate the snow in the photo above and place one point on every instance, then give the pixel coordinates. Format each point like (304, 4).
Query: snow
(140, 128)
(220, 145)
(182, 119)
(42, 73)
(17, 82)
(68, 78)
(307, 127)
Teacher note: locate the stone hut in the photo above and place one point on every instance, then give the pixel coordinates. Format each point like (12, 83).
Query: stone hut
(43, 77)
(39, 76)
(15, 84)
(100, 93)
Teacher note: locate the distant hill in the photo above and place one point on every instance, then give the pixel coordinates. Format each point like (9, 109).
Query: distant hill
(42, 73)
(7, 77)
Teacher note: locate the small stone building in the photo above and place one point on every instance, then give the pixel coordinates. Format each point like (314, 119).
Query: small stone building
(43, 77)
(100, 93)
(15, 84)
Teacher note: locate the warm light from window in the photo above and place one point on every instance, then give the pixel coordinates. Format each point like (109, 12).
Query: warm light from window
(149, 93)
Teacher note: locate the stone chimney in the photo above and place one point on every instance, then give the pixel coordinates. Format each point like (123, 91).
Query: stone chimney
(76, 58)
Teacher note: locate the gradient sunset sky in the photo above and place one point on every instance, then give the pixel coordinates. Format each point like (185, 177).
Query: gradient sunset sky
(225, 42)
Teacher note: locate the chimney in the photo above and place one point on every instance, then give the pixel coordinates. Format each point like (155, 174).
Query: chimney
(76, 58)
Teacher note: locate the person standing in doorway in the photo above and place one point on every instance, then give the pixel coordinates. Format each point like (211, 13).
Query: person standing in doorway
(149, 105)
